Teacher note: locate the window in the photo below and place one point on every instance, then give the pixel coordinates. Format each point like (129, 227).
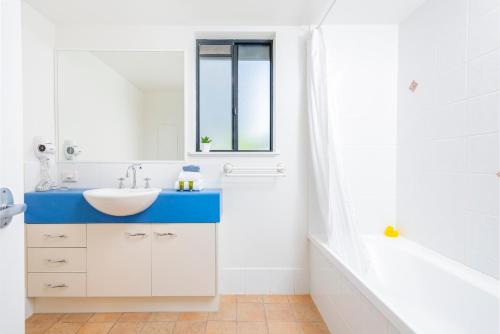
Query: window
(234, 95)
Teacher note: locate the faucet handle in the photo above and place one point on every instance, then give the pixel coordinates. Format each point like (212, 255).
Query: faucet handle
(147, 185)
(120, 185)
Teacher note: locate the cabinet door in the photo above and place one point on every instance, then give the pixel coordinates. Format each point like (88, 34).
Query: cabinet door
(118, 260)
(183, 259)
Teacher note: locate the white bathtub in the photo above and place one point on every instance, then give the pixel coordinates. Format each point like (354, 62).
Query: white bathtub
(409, 289)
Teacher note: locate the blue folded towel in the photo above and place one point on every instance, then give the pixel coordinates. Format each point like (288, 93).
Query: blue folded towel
(191, 168)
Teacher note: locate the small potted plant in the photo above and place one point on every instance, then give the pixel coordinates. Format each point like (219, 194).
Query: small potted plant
(205, 144)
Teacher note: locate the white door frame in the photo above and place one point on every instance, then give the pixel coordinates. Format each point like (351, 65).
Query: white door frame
(12, 282)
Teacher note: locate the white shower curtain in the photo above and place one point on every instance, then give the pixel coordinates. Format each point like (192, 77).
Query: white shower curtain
(335, 209)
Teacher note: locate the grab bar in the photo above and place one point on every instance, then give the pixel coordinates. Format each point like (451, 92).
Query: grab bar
(230, 170)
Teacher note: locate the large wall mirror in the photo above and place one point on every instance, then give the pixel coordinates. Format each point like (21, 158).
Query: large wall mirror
(115, 106)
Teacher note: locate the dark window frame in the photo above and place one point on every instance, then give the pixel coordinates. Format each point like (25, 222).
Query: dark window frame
(234, 58)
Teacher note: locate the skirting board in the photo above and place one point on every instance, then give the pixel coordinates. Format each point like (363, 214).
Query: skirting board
(126, 304)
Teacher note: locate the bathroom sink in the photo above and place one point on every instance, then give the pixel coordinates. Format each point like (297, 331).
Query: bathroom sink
(121, 202)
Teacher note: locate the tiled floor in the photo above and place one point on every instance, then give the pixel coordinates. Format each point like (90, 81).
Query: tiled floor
(237, 315)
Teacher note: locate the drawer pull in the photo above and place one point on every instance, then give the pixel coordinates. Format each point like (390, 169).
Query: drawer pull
(53, 236)
(165, 234)
(56, 286)
(56, 261)
(136, 234)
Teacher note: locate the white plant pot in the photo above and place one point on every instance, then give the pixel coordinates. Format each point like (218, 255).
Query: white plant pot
(205, 148)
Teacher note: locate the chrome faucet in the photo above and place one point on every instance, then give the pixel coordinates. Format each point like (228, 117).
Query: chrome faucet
(133, 167)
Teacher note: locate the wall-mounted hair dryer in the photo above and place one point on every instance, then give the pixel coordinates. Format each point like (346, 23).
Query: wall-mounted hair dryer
(71, 150)
(43, 149)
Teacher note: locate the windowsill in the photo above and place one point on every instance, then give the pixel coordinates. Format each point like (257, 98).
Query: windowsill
(234, 154)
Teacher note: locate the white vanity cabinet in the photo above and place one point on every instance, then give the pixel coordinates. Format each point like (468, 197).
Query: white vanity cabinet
(118, 260)
(183, 259)
(122, 260)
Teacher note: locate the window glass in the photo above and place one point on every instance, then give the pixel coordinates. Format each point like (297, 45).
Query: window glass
(215, 50)
(215, 101)
(254, 97)
(235, 94)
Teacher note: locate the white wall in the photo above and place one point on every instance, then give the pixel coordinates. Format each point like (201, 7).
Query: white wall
(362, 74)
(38, 39)
(38, 36)
(99, 110)
(448, 130)
(162, 110)
(263, 246)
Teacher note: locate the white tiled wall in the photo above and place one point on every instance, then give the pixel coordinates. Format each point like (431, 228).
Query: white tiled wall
(448, 130)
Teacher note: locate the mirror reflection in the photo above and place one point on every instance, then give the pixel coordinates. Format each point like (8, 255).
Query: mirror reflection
(120, 105)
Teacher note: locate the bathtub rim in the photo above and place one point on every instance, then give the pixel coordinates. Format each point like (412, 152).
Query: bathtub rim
(480, 280)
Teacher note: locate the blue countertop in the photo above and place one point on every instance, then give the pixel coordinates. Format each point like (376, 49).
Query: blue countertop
(69, 206)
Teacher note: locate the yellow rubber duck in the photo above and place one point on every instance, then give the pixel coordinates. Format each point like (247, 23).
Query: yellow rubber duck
(391, 232)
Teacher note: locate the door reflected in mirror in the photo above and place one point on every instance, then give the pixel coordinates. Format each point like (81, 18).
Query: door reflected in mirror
(120, 105)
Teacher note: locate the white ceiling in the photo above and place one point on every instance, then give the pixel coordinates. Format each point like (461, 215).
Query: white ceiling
(372, 11)
(147, 70)
(223, 12)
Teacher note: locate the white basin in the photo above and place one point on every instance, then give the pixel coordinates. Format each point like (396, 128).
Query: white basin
(121, 202)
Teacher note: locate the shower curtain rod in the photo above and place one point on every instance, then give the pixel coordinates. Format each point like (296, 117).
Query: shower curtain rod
(326, 14)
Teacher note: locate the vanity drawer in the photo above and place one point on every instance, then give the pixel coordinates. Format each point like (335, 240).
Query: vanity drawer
(65, 260)
(56, 235)
(56, 285)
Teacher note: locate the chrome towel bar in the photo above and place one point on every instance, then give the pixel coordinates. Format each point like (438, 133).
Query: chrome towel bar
(230, 170)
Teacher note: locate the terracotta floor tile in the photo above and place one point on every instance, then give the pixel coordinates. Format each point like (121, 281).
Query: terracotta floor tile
(76, 317)
(279, 312)
(164, 316)
(300, 299)
(314, 328)
(39, 326)
(105, 317)
(271, 299)
(221, 327)
(249, 299)
(228, 298)
(127, 328)
(158, 328)
(134, 316)
(190, 327)
(193, 316)
(252, 327)
(96, 328)
(44, 316)
(295, 314)
(284, 328)
(64, 328)
(251, 312)
(305, 312)
(227, 311)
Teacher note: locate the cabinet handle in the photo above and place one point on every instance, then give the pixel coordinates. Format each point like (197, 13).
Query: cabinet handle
(55, 235)
(55, 286)
(165, 234)
(136, 234)
(56, 261)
